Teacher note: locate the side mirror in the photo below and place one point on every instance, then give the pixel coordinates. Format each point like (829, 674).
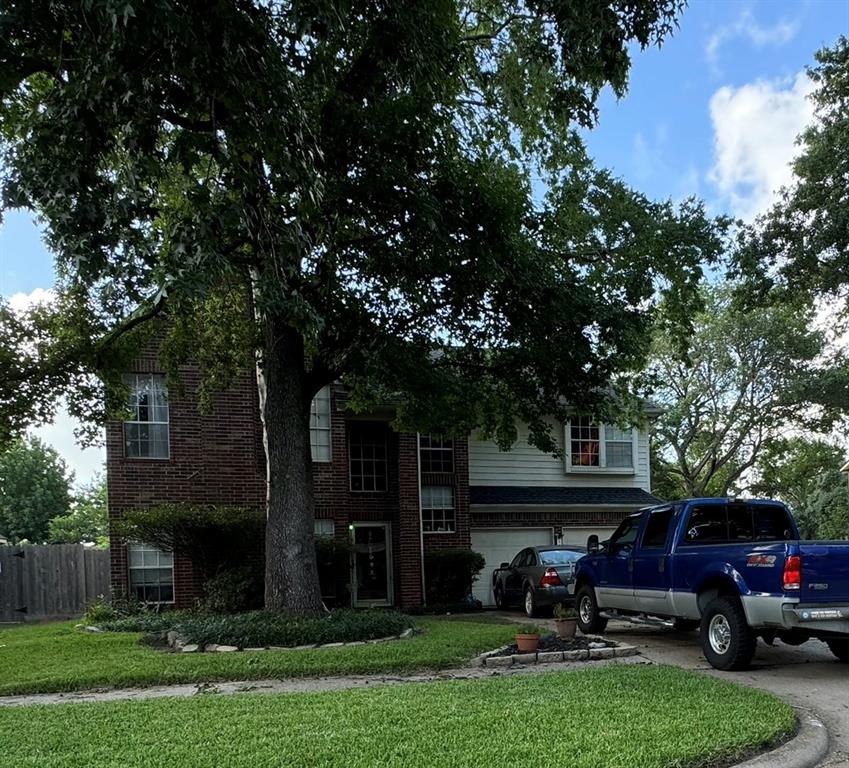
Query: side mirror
(504, 565)
(592, 544)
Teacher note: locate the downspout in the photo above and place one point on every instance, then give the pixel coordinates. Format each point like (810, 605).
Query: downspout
(421, 520)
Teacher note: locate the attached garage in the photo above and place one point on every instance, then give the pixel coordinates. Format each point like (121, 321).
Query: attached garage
(501, 545)
(579, 536)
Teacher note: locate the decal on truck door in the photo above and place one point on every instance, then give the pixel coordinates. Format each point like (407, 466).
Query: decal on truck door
(761, 561)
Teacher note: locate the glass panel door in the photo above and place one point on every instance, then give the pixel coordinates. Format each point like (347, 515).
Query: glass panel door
(372, 564)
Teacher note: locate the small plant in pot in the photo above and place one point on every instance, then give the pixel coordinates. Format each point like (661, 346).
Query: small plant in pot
(566, 620)
(527, 638)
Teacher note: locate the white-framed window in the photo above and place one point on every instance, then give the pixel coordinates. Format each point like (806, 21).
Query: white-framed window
(598, 447)
(146, 431)
(367, 458)
(436, 454)
(320, 425)
(438, 509)
(151, 573)
(324, 528)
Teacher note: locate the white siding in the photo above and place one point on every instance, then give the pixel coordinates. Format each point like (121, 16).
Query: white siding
(525, 465)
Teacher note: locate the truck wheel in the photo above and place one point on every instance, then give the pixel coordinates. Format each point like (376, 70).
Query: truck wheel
(727, 640)
(589, 619)
(685, 625)
(530, 603)
(840, 648)
(499, 599)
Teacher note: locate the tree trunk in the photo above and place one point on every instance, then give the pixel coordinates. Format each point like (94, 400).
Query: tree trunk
(291, 573)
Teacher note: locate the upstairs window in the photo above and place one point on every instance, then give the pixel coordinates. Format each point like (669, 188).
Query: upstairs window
(146, 431)
(438, 509)
(367, 458)
(599, 446)
(437, 454)
(320, 425)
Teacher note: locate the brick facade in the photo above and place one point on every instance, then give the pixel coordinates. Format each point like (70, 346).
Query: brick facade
(218, 458)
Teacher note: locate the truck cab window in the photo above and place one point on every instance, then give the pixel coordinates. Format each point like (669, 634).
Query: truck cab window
(626, 534)
(708, 524)
(771, 523)
(657, 528)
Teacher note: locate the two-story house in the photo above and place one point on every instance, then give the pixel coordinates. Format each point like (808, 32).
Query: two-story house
(395, 496)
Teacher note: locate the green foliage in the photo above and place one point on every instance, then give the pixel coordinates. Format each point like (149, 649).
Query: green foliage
(805, 474)
(35, 486)
(450, 573)
(742, 379)
(233, 590)
(560, 612)
(147, 621)
(266, 628)
(100, 610)
(214, 536)
(72, 660)
(715, 722)
(88, 520)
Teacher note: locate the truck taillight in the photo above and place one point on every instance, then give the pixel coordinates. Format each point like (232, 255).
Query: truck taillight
(550, 578)
(793, 573)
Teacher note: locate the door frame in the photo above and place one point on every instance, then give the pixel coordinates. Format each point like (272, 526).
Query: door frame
(390, 585)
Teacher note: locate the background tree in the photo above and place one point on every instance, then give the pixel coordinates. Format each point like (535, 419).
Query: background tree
(743, 380)
(87, 520)
(35, 486)
(805, 474)
(334, 191)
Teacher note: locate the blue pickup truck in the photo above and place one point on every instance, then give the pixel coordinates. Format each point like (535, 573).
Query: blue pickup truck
(736, 569)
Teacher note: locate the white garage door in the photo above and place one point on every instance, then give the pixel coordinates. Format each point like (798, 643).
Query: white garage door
(580, 535)
(501, 545)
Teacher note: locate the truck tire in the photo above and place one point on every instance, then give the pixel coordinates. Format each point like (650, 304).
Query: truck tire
(840, 648)
(530, 603)
(589, 619)
(727, 640)
(685, 625)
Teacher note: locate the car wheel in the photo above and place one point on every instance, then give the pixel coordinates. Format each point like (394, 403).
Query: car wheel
(499, 599)
(589, 619)
(727, 640)
(840, 648)
(530, 603)
(685, 625)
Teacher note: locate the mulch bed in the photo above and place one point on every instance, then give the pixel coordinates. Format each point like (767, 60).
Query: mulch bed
(552, 642)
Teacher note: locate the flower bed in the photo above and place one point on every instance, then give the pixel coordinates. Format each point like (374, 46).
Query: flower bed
(553, 649)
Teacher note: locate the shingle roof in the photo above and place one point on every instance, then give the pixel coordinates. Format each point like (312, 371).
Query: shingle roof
(528, 494)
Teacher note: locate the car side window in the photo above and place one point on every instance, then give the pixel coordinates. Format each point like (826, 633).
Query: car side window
(517, 561)
(530, 558)
(657, 529)
(626, 533)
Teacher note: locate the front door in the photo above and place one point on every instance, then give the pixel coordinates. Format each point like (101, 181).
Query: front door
(371, 564)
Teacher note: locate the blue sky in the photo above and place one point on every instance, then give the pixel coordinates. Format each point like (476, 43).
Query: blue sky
(713, 113)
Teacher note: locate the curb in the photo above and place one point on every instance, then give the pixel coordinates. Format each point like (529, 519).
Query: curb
(805, 750)
(489, 659)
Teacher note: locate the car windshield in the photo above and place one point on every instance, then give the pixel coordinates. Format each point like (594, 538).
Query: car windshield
(559, 556)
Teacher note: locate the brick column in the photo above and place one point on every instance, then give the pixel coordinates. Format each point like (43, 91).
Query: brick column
(409, 554)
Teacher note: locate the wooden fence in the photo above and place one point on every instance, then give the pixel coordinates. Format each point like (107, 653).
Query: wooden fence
(51, 581)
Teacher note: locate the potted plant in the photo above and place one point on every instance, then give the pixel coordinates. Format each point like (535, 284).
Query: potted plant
(566, 620)
(527, 638)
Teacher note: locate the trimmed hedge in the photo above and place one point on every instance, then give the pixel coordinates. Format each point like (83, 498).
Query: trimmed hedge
(450, 573)
(257, 629)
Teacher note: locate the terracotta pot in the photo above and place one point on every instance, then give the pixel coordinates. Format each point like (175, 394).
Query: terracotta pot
(527, 643)
(566, 628)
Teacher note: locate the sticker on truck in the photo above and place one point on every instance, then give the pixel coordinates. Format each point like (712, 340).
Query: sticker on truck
(761, 561)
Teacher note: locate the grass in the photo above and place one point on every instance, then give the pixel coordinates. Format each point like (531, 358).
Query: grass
(45, 658)
(616, 716)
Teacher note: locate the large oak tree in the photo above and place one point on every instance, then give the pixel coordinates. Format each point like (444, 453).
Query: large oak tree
(390, 193)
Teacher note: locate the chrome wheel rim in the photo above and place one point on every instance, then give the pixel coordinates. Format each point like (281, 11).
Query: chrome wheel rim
(529, 602)
(719, 634)
(585, 609)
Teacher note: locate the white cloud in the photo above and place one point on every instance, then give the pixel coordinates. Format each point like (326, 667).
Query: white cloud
(755, 128)
(84, 462)
(746, 26)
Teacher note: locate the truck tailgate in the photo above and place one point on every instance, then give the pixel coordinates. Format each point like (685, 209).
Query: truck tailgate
(825, 572)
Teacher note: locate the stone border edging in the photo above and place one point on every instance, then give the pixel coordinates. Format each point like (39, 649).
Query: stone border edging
(805, 750)
(176, 643)
(489, 659)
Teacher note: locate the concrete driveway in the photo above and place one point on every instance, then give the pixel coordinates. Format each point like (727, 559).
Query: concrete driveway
(807, 676)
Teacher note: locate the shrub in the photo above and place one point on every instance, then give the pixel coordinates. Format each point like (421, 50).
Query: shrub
(145, 621)
(105, 609)
(450, 573)
(262, 628)
(233, 590)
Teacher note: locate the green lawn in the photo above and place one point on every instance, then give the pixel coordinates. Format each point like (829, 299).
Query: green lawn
(616, 716)
(41, 658)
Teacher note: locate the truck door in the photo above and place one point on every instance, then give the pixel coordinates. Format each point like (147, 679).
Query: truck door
(615, 588)
(652, 577)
